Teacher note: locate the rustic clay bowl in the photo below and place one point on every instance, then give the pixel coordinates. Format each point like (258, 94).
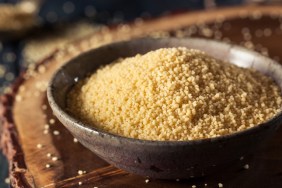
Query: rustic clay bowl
(162, 159)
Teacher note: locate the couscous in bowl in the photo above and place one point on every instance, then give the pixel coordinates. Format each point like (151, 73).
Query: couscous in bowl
(162, 159)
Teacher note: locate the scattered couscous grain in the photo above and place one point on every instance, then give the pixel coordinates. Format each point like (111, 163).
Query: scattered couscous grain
(75, 140)
(51, 121)
(55, 158)
(80, 172)
(7, 180)
(55, 132)
(246, 166)
(174, 94)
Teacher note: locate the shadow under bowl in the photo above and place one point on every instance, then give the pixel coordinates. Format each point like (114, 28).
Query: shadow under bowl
(162, 159)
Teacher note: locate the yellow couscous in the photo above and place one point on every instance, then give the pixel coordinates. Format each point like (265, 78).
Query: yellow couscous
(174, 94)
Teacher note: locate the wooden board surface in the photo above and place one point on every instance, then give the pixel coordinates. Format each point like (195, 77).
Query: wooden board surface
(31, 133)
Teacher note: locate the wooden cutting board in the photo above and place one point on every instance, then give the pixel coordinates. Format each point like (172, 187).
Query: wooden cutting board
(42, 153)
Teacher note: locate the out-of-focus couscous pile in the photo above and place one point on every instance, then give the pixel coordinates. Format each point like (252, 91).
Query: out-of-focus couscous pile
(174, 94)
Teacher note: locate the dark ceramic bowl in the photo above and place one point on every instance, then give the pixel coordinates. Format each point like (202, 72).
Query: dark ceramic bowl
(162, 159)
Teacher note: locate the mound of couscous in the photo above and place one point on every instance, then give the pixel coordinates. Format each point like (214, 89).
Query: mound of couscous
(174, 94)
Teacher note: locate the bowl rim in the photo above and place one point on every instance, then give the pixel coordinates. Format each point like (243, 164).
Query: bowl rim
(93, 130)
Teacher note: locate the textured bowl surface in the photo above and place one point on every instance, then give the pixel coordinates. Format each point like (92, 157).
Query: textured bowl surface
(162, 159)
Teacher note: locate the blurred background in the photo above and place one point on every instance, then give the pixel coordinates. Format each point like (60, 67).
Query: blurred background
(31, 29)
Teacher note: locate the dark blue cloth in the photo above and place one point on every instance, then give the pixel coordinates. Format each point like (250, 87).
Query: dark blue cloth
(9, 61)
(105, 11)
(3, 171)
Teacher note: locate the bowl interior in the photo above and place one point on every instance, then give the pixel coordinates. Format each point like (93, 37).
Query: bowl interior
(79, 67)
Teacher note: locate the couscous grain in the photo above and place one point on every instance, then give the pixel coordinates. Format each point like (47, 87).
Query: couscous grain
(174, 94)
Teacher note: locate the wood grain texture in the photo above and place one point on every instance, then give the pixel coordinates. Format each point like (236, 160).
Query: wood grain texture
(24, 119)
